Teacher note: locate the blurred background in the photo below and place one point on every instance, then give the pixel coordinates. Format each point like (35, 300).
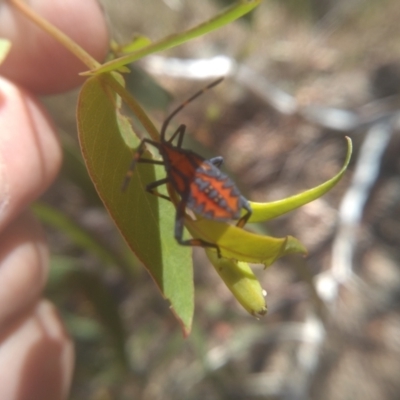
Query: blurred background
(301, 75)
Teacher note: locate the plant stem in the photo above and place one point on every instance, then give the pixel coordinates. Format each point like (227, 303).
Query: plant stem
(65, 40)
(228, 15)
(131, 102)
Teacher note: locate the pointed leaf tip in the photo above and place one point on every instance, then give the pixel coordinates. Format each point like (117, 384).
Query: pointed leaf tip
(265, 211)
(242, 282)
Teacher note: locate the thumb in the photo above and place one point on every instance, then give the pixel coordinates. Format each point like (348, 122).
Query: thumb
(36, 60)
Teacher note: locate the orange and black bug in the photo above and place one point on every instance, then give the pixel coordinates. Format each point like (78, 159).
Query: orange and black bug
(201, 185)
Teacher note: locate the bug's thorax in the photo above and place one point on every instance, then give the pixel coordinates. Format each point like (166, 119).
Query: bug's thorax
(183, 160)
(180, 165)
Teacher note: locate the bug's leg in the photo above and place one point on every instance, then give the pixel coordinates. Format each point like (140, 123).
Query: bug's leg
(151, 186)
(137, 158)
(179, 224)
(217, 161)
(180, 132)
(150, 161)
(243, 220)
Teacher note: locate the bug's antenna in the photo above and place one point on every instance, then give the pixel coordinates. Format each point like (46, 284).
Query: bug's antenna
(184, 104)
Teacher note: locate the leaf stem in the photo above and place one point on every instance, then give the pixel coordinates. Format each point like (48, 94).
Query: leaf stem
(131, 102)
(66, 41)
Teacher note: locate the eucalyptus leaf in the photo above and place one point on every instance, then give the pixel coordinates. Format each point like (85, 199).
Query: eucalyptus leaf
(145, 221)
(225, 17)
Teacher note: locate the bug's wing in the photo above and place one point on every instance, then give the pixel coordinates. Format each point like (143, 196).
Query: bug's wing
(213, 194)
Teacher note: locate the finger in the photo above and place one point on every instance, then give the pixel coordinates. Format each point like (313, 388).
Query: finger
(23, 267)
(37, 61)
(30, 154)
(36, 357)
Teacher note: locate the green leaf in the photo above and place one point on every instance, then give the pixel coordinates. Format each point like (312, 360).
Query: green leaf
(145, 221)
(83, 328)
(137, 43)
(239, 244)
(5, 47)
(231, 14)
(105, 306)
(266, 211)
(242, 282)
(76, 233)
(60, 269)
(66, 275)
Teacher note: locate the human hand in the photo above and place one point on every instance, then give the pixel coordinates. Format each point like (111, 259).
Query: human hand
(36, 354)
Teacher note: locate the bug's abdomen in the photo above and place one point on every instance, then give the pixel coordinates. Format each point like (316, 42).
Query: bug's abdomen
(213, 195)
